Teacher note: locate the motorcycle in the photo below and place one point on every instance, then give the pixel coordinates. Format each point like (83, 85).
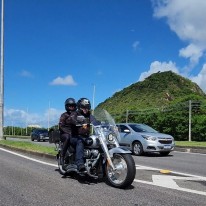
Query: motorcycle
(104, 158)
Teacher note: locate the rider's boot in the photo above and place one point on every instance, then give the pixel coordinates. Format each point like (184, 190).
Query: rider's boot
(81, 168)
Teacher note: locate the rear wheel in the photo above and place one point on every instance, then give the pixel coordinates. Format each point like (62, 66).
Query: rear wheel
(124, 173)
(137, 149)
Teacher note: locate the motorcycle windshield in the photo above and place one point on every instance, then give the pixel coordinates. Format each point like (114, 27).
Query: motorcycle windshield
(107, 121)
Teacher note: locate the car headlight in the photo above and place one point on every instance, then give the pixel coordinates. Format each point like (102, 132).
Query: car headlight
(150, 138)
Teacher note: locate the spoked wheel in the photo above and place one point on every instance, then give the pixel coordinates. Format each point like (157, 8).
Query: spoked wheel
(124, 173)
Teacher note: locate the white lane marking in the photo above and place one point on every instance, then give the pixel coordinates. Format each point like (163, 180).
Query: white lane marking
(167, 181)
(142, 167)
(179, 189)
(135, 180)
(29, 158)
(164, 181)
(189, 152)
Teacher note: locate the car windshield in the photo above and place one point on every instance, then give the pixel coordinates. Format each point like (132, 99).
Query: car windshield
(142, 128)
(42, 131)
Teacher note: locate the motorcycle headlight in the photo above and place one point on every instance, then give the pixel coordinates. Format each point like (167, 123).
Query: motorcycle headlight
(111, 138)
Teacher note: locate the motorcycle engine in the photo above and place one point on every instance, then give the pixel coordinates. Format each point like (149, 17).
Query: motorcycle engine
(87, 153)
(93, 153)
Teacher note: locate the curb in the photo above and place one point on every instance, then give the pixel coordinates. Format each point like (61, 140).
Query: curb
(201, 150)
(39, 154)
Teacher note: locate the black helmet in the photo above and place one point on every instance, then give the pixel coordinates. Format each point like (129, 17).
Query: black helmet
(83, 103)
(69, 103)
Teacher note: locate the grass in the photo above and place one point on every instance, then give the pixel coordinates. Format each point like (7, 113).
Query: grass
(190, 144)
(21, 137)
(29, 146)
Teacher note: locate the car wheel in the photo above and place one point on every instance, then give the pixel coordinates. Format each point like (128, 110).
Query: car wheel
(32, 139)
(137, 149)
(164, 153)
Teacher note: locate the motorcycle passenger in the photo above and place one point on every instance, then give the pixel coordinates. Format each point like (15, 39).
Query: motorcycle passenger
(84, 117)
(66, 127)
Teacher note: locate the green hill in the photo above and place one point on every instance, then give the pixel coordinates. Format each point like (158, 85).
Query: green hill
(162, 101)
(156, 91)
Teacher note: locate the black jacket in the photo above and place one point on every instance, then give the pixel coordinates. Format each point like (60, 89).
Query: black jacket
(81, 127)
(64, 125)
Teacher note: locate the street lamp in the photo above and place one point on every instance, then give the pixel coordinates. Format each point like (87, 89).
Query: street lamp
(2, 73)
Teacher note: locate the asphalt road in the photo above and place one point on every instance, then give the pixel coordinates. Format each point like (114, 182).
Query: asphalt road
(25, 182)
(192, 163)
(187, 162)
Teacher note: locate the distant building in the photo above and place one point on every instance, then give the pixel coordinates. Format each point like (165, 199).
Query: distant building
(34, 126)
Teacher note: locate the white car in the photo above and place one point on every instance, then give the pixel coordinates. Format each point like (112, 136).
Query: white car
(140, 139)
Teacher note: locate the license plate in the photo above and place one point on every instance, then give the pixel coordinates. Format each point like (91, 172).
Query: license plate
(167, 147)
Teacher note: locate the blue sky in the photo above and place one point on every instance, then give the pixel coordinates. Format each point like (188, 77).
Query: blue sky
(55, 49)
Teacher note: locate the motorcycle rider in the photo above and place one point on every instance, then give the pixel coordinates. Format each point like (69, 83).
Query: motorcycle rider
(66, 127)
(84, 117)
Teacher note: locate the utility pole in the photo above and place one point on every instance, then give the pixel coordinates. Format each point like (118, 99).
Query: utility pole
(2, 74)
(127, 113)
(93, 99)
(48, 117)
(27, 120)
(190, 117)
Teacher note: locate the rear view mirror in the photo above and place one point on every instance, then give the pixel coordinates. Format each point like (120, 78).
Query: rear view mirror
(126, 130)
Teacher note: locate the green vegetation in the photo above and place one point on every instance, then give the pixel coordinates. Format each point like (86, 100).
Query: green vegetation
(10, 130)
(17, 136)
(162, 101)
(190, 144)
(29, 146)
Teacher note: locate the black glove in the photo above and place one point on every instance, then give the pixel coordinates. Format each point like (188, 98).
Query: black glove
(80, 119)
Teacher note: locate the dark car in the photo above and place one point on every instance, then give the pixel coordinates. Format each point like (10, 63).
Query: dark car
(39, 134)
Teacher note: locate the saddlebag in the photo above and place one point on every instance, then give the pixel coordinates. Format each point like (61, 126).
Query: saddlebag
(54, 136)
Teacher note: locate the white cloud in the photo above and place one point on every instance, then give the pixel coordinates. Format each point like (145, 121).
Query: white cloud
(68, 80)
(200, 79)
(25, 73)
(22, 118)
(193, 52)
(187, 20)
(157, 66)
(135, 45)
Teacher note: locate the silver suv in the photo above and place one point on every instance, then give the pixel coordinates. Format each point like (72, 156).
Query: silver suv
(140, 138)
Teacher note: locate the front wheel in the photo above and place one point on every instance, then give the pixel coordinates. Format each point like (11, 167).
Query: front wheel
(137, 149)
(124, 173)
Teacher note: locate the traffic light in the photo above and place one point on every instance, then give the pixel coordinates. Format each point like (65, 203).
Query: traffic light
(196, 106)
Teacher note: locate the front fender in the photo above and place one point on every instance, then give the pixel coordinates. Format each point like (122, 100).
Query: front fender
(118, 150)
